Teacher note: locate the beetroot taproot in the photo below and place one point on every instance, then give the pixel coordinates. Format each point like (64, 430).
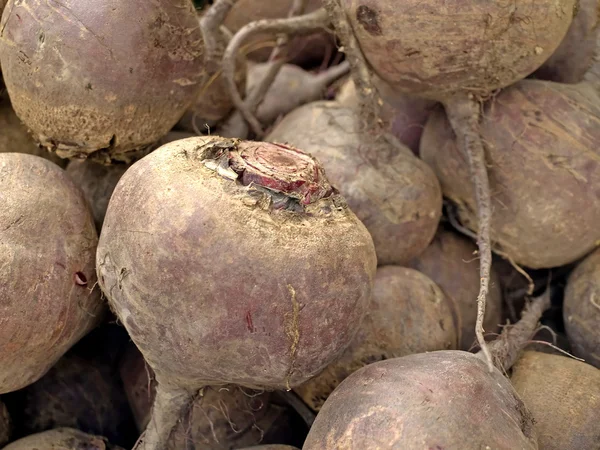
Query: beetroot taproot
(563, 396)
(405, 113)
(62, 439)
(408, 314)
(575, 54)
(393, 193)
(219, 418)
(47, 283)
(541, 147)
(442, 399)
(451, 262)
(91, 82)
(581, 310)
(232, 262)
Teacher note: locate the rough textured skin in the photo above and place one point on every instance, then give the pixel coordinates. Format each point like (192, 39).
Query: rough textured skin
(98, 181)
(575, 54)
(408, 314)
(433, 48)
(123, 86)
(439, 400)
(220, 281)
(47, 248)
(304, 49)
(220, 418)
(4, 425)
(15, 138)
(544, 169)
(62, 439)
(563, 396)
(581, 310)
(451, 262)
(271, 447)
(407, 114)
(393, 193)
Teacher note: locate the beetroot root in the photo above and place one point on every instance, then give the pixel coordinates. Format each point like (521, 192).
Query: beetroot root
(408, 314)
(257, 318)
(393, 193)
(64, 92)
(47, 285)
(62, 439)
(450, 261)
(581, 310)
(220, 417)
(433, 400)
(563, 396)
(5, 424)
(405, 113)
(543, 166)
(574, 56)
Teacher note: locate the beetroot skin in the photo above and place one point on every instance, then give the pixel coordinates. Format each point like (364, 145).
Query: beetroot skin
(272, 272)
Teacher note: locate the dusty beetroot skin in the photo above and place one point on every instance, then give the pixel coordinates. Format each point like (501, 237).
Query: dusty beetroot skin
(542, 159)
(574, 56)
(406, 114)
(15, 138)
(47, 248)
(5, 425)
(408, 314)
(271, 447)
(288, 291)
(580, 311)
(394, 194)
(433, 48)
(450, 261)
(62, 439)
(563, 395)
(220, 417)
(123, 86)
(429, 400)
(303, 49)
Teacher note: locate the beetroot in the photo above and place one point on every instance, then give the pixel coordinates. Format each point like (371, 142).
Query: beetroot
(571, 60)
(408, 314)
(581, 310)
(437, 400)
(62, 439)
(564, 397)
(457, 54)
(91, 82)
(394, 194)
(220, 417)
(232, 262)
(450, 261)
(47, 283)
(407, 114)
(5, 425)
(541, 145)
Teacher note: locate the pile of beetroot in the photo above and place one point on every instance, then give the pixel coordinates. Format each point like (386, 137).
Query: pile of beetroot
(285, 224)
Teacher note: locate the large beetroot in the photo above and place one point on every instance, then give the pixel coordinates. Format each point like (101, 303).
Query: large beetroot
(541, 145)
(102, 78)
(393, 193)
(48, 297)
(232, 262)
(62, 439)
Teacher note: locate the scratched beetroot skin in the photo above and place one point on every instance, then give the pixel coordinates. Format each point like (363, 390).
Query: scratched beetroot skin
(234, 262)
